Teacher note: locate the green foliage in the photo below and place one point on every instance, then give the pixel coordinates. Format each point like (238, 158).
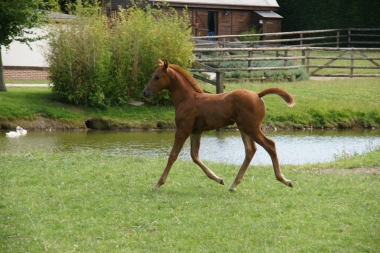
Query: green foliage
(78, 60)
(250, 38)
(18, 16)
(99, 62)
(302, 15)
(139, 39)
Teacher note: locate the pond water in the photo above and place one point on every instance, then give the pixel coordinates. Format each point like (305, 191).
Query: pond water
(293, 147)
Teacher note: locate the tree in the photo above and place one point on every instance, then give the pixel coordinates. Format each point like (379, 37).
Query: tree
(16, 20)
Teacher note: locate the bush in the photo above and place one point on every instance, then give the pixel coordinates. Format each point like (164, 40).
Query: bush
(250, 38)
(77, 57)
(98, 62)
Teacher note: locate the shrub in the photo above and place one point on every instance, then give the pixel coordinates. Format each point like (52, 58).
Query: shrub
(97, 62)
(77, 57)
(139, 39)
(250, 38)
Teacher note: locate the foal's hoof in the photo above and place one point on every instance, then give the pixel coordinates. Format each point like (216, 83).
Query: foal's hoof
(221, 181)
(156, 187)
(289, 183)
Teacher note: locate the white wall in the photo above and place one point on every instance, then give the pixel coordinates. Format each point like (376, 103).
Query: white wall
(20, 54)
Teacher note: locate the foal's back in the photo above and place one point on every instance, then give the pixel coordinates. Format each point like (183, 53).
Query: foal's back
(213, 111)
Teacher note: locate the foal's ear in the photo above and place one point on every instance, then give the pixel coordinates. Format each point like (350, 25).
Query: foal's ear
(166, 64)
(160, 62)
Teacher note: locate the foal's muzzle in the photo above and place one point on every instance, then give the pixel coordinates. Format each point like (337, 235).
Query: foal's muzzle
(147, 93)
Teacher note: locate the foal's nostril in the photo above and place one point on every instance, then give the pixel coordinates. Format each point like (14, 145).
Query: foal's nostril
(146, 93)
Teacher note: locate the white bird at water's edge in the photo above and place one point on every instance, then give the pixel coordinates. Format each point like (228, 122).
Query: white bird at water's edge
(19, 132)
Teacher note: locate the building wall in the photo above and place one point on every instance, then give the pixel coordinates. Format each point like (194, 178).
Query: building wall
(241, 21)
(224, 22)
(25, 73)
(20, 62)
(233, 22)
(268, 25)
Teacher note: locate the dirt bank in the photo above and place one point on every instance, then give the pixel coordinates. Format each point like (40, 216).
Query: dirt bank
(47, 124)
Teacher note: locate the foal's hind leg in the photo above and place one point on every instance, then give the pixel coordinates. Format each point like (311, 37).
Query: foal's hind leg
(270, 147)
(195, 143)
(250, 150)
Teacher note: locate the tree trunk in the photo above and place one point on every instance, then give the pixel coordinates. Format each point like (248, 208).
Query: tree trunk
(2, 83)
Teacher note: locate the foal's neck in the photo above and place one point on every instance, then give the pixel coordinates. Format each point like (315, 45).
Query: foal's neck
(180, 88)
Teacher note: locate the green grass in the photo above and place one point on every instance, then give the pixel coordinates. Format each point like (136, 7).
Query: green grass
(27, 105)
(334, 103)
(96, 202)
(343, 62)
(339, 103)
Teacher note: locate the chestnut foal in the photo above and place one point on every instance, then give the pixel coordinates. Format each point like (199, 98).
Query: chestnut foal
(196, 112)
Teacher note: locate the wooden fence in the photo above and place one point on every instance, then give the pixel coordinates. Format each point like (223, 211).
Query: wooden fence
(292, 56)
(335, 61)
(336, 37)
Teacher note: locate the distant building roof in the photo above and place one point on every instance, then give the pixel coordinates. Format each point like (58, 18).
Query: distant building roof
(268, 14)
(60, 17)
(264, 3)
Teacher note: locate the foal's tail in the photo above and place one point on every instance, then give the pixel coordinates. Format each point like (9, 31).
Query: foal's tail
(282, 93)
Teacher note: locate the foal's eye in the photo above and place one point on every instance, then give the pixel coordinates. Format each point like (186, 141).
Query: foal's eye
(156, 78)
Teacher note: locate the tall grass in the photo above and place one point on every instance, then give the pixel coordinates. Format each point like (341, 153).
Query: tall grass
(98, 62)
(139, 38)
(78, 59)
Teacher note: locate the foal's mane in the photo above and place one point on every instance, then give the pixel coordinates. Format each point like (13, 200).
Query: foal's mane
(188, 77)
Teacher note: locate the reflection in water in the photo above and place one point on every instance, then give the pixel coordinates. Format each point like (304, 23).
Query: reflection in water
(294, 147)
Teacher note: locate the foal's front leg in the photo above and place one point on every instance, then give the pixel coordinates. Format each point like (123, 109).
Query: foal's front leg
(195, 144)
(180, 138)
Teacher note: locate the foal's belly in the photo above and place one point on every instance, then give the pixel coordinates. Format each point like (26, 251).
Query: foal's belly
(211, 122)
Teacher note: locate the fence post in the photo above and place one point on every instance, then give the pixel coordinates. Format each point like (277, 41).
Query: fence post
(301, 39)
(303, 55)
(286, 55)
(219, 82)
(307, 60)
(250, 56)
(352, 64)
(349, 38)
(337, 39)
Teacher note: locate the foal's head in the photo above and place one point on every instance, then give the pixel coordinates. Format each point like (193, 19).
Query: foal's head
(162, 79)
(159, 81)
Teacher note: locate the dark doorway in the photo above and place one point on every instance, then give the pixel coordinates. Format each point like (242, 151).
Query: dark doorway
(212, 21)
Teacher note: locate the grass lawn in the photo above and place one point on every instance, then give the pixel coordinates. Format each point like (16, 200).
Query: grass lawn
(338, 103)
(33, 107)
(96, 202)
(359, 62)
(332, 103)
